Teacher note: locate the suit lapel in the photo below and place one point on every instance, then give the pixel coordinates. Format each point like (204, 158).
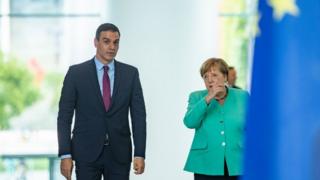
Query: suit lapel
(117, 76)
(95, 83)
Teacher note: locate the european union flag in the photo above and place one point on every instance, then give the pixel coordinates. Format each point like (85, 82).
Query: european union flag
(283, 126)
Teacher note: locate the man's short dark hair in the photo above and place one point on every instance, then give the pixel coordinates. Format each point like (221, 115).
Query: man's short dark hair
(231, 68)
(106, 27)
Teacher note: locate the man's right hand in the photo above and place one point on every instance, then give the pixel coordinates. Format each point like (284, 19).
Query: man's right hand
(66, 166)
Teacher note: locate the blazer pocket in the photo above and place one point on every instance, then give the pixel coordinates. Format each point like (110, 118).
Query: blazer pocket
(199, 144)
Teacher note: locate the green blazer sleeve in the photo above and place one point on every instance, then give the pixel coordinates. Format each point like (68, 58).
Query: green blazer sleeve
(196, 111)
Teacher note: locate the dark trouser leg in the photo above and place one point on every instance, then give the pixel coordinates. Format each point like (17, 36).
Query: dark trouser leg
(105, 165)
(113, 170)
(224, 177)
(233, 177)
(117, 177)
(88, 171)
(206, 177)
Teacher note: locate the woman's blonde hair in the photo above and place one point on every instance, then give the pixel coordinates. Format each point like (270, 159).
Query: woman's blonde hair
(214, 62)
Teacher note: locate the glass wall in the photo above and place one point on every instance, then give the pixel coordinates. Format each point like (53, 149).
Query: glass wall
(45, 37)
(39, 40)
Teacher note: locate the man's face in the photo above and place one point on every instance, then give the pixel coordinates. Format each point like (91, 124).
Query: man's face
(107, 46)
(232, 76)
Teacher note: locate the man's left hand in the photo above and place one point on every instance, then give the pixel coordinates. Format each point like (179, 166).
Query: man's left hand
(138, 165)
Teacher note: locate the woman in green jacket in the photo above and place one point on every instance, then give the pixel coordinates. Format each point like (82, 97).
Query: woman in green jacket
(217, 114)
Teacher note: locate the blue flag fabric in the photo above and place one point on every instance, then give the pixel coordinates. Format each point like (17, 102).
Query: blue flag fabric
(283, 123)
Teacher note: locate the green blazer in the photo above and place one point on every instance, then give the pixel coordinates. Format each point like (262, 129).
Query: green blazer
(219, 131)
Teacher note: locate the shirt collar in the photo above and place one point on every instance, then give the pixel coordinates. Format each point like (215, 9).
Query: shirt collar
(100, 66)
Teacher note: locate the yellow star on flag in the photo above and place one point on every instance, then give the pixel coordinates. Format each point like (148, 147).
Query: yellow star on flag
(282, 7)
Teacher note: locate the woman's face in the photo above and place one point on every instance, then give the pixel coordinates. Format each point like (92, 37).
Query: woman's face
(213, 77)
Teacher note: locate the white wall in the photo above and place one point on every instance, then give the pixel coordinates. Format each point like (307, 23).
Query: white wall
(168, 41)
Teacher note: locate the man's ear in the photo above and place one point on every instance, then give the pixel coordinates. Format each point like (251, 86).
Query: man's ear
(95, 42)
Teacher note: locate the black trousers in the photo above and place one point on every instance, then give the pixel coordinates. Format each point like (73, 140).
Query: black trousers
(225, 177)
(104, 166)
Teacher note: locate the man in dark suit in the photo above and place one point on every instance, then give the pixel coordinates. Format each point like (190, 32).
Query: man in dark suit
(232, 77)
(101, 91)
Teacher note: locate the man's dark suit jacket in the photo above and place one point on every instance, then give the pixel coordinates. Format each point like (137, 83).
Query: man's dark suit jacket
(81, 94)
